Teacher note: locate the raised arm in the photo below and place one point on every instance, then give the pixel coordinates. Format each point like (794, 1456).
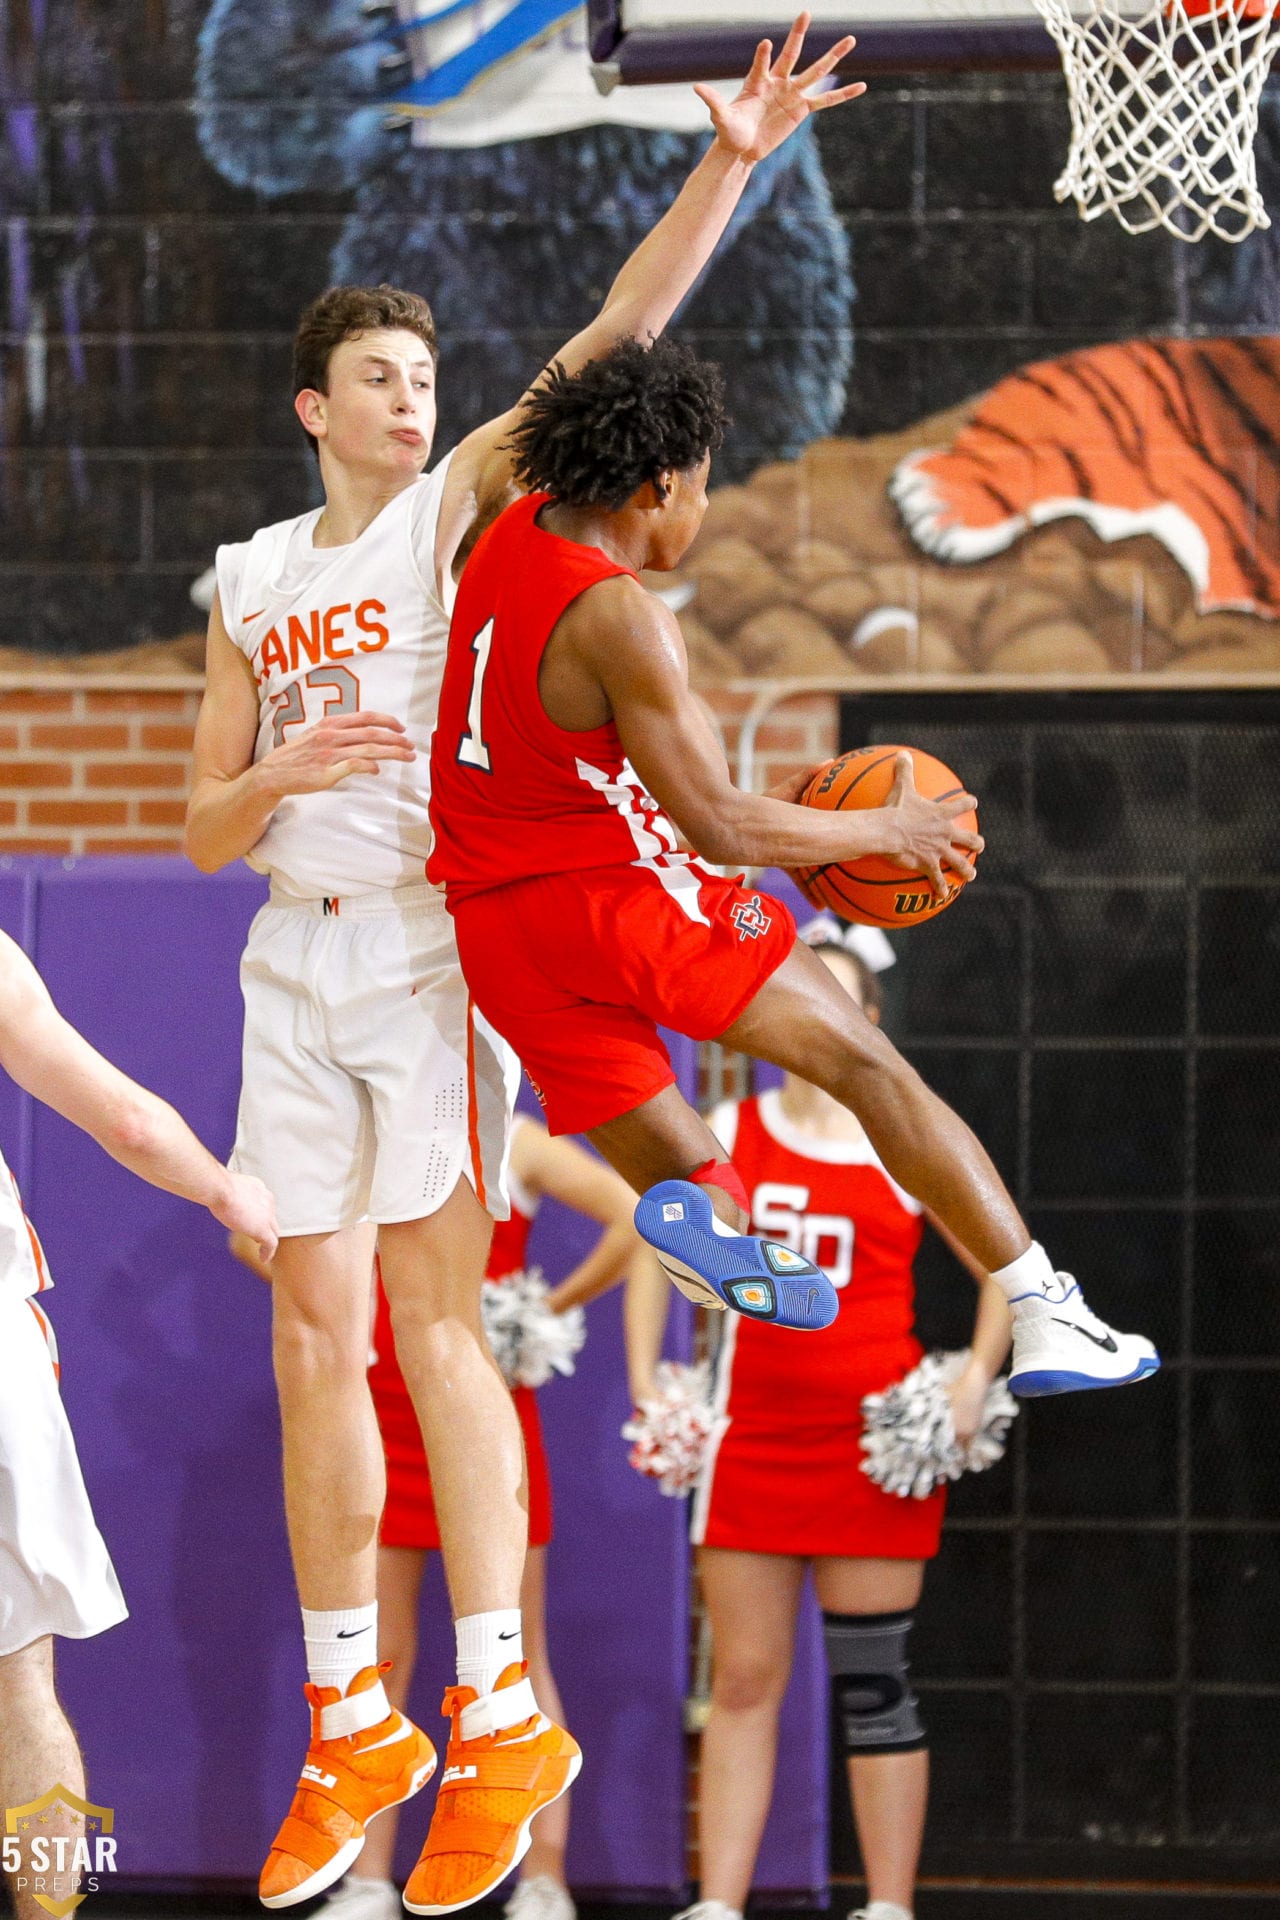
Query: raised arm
(51, 1061)
(774, 101)
(232, 797)
(631, 643)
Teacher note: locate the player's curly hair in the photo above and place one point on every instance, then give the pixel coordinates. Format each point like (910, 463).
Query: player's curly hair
(590, 438)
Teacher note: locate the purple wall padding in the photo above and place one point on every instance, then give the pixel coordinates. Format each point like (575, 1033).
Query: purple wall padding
(191, 1712)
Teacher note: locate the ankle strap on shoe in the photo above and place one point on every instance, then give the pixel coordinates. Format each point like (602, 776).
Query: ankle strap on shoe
(355, 1714)
(495, 1712)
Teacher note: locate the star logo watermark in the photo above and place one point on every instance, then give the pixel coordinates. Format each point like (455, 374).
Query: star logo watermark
(57, 1847)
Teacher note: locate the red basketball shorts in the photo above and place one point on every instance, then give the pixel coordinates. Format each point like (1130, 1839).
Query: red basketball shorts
(577, 971)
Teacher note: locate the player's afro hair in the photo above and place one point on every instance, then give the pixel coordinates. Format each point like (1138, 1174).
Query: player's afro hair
(590, 438)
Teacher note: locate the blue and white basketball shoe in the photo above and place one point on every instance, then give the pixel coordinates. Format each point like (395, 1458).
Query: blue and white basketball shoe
(716, 1267)
(1060, 1347)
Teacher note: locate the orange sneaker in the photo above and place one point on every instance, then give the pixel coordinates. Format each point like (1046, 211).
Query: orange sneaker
(496, 1778)
(346, 1780)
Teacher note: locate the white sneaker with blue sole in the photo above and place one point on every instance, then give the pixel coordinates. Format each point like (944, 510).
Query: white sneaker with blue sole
(716, 1267)
(1060, 1347)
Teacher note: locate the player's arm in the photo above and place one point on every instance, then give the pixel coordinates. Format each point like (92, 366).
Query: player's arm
(774, 101)
(232, 796)
(51, 1061)
(561, 1170)
(631, 643)
(989, 1343)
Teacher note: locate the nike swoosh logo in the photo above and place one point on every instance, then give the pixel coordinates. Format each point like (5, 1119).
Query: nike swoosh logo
(247, 617)
(510, 1636)
(1108, 1345)
(355, 1631)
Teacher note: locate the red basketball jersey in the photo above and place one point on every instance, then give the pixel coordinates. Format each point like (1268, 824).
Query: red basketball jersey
(512, 795)
(832, 1201)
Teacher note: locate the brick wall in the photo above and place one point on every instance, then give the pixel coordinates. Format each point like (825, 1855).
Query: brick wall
(104, 765)
(99, 767)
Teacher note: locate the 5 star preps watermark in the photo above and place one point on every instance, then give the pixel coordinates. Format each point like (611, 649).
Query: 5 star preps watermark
(57, 1848)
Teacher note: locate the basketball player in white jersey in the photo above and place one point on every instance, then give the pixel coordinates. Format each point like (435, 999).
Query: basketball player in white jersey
(56, 1576)
(374, 1099)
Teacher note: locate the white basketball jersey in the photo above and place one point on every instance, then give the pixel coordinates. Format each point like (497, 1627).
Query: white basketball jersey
(332, 630)
(23, 1270)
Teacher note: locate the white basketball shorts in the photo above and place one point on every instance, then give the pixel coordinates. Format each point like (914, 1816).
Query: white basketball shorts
(371, 1085)
(56, 1575)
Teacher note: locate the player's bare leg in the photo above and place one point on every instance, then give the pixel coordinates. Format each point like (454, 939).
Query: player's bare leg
(363, 1755)
(890, 1791)
(432, 1271)
(38, 1750)
(334, 1477)
(802, 1020)
(502, 1748)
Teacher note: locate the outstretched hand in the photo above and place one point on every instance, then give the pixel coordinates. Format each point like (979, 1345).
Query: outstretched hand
(775, 99)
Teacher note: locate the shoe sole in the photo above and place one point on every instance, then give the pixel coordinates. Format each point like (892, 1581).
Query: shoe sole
(523, 1843)
(1037, 1383)
(346, 1856)
(735, 1269)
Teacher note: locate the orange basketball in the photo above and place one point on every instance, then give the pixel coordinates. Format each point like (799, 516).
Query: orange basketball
(872, 890)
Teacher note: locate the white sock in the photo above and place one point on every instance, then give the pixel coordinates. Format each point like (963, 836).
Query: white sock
(339, 1644)
(1031, 1273)
(488, 1643)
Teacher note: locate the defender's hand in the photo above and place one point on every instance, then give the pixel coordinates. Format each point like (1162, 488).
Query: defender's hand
(249, 1208)
(929, 839)
(332, 750)
(775, 99)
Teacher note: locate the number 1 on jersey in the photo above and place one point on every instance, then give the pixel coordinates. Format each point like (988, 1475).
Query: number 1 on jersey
(472, 751)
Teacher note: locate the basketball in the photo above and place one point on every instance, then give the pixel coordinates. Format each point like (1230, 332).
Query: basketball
(872, 890)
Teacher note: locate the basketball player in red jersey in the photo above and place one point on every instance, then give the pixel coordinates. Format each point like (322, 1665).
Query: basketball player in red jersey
(373, 1099)
(539, 1168)
(569, 751)
(782, 1489)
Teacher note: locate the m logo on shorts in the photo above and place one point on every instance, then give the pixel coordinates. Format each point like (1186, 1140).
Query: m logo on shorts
(750, 918)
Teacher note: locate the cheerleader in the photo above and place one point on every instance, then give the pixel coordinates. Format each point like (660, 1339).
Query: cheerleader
(782, 1487)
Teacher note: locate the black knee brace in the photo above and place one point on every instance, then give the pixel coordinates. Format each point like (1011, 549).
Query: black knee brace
(876, 1710)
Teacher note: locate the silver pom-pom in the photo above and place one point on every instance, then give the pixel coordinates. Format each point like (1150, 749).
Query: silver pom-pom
(529, 1341)
(909, 1438)
(669, 1433)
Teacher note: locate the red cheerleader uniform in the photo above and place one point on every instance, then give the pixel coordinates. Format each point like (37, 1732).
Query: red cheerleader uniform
(784, 1469)
(409, 1517)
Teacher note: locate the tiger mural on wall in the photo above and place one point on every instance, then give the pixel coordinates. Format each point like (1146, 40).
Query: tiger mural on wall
(1115, 509)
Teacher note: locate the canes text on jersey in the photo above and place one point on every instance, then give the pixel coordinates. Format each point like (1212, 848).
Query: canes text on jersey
(336, 633)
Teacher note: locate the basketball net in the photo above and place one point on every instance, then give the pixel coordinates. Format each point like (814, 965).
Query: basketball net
(1164, 110)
